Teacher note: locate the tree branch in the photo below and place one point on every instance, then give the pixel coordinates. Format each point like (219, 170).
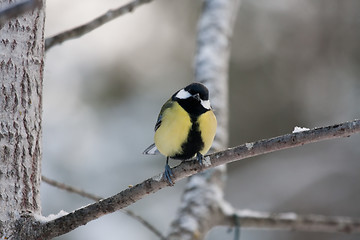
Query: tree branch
(292, 221)
(125, 198)
(97, 22)
(70, 188)
(98, 198)
(17, 9)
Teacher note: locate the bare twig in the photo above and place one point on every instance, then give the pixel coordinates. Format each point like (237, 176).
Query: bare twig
(125, 198)
(98, 198)
(17, 9)
(97, 22)
(70, 188)
(293, 221)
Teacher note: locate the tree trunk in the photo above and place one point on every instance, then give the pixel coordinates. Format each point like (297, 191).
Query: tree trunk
(21, 79)
(202, 202)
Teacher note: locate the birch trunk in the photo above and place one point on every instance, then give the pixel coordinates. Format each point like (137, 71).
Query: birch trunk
(21, 77)
(202, 202)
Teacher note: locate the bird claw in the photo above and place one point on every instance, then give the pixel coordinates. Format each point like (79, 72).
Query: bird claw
(168, 174)
(199, 158)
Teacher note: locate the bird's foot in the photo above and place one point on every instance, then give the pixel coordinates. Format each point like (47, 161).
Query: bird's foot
(236, 227)
(199, 158)
(168, 174)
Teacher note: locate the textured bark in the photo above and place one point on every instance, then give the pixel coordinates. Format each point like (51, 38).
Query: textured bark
(21, 75)
(200, 202)
(18, 9)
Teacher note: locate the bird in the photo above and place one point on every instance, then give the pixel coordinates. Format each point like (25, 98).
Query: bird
(185, 127)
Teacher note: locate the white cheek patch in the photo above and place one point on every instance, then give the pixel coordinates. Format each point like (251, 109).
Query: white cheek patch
(206, 104)
(182, 94)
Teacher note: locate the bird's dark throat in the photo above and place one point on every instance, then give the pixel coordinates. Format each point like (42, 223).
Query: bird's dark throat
(192, 106)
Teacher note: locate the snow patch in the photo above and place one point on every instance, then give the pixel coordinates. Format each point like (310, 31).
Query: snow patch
(51, 217)
(252, 213)
(226, 207)
(206, 161)
(256, 214)
(300, 129)
(188, 223)
(289, 216)
(249, 146)
(196, 181)
(158, 177)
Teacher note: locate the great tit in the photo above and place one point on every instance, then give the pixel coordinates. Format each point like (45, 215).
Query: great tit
(185, 127)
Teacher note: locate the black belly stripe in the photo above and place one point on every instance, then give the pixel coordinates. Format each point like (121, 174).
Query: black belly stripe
(193, 144)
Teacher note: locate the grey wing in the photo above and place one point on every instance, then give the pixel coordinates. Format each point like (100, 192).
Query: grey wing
(158, 122)
(151, 150)
(167, 105)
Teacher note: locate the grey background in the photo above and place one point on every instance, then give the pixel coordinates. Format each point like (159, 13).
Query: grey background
(293, 63)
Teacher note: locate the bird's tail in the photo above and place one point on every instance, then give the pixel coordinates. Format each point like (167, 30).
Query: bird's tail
(151, 150)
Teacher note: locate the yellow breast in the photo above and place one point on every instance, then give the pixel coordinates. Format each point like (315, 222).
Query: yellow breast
(173, 130)
(207, 124)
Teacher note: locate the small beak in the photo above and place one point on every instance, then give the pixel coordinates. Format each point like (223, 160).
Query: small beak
(197, 97)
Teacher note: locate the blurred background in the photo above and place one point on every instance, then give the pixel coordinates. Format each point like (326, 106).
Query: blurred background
(293, 63)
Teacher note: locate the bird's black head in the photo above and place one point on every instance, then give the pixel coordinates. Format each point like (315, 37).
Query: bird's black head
(194, 98)
(198, 88)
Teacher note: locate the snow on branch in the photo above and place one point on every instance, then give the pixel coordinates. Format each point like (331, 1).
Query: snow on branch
(95, 23)
(17, 9)
(129, 196)
(292, 221)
